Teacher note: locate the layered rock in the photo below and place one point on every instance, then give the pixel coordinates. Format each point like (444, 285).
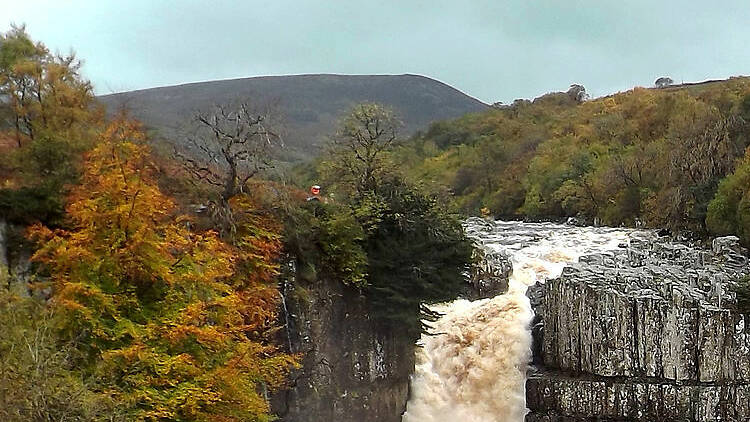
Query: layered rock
(555, 397)
(649, 332)
(351, 369)
(490, 274)
(493, 268)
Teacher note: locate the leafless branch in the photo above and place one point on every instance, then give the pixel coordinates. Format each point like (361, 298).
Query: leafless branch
(234, 144)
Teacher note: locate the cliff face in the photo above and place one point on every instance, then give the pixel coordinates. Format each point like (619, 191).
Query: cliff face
(4, 269)
(646, 333)
(352, 370)
(15, 264)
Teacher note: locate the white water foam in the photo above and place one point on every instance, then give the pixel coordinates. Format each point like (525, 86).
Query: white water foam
(472, 368)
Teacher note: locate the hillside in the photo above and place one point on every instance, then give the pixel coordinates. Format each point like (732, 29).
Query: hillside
(310, 105)
(664, 157)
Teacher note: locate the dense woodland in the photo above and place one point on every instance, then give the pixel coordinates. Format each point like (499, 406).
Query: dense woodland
(670, 157)
(152, 291)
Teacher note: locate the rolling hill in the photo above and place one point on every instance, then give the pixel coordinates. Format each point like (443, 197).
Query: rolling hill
(310, 105)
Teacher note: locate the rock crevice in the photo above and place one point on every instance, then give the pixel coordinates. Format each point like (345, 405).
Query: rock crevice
(352, 369)
(649, 332)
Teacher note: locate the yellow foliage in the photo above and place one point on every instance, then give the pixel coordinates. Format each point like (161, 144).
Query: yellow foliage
(173, 320)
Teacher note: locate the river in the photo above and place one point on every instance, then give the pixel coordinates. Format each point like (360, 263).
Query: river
(472, 366)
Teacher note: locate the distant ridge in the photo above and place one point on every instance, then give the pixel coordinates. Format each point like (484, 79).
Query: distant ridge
(311, 105)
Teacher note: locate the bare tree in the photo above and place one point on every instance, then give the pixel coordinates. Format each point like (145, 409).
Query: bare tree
(355, 152)
(229, 146)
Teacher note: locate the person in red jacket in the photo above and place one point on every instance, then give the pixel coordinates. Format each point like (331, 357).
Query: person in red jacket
(315, 191)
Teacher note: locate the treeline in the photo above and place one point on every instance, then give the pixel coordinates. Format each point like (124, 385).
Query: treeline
(151, 292)
(671, 157)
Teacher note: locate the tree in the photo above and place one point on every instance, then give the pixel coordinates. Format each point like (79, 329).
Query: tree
(38, 378)
(355, 155)
(578, 93)
(417, 255)
(663, 82)
(416, 251)
(230, 146)
(703, 151)
(166, 317)
(20, 70)
(45, 92)
(49, 112)
(729, 210)
(326, 242)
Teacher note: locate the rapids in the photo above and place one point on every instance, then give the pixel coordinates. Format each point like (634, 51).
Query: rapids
(472, 366)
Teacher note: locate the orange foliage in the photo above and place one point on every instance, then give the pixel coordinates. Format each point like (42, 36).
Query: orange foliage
(174, 322)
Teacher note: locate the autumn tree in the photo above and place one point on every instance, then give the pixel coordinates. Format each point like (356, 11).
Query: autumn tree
(703, 149)
(44, 91)
(38, 377)
(729, 210)
(49, 111)
(228, 146)
(167, 318)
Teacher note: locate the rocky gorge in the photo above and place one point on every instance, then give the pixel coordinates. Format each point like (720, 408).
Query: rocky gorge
(619, 324)
(647, 332)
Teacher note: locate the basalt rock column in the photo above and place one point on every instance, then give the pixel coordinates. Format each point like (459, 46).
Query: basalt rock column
(649, 333)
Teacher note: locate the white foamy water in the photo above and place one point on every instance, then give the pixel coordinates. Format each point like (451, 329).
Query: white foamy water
(473, 367)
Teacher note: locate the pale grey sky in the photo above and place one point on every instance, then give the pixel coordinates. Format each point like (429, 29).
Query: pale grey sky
(495, 50)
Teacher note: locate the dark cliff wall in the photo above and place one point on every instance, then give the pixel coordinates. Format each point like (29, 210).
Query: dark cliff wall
(15, 264)
(648, 333)
(4, 267)
(352, 369)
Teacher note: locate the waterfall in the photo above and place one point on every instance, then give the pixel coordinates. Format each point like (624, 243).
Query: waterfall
(472, 366)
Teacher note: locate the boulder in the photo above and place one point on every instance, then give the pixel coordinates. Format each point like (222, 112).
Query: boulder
(489, 275)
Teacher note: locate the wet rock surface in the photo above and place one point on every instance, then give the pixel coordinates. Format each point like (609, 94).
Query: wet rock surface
(351, 369)
(490, 275)
(560, 398)
(646, 332)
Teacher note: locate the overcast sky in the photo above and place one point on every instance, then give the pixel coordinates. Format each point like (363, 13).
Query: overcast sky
(495, 50)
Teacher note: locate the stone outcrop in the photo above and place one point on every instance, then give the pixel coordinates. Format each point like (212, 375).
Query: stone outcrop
(558, 398)
(649, 332)
(352, 369)
(4, 264)
(15, 261)
(489, 276)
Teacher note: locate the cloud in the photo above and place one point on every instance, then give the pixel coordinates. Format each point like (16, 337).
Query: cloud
(494, 50)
